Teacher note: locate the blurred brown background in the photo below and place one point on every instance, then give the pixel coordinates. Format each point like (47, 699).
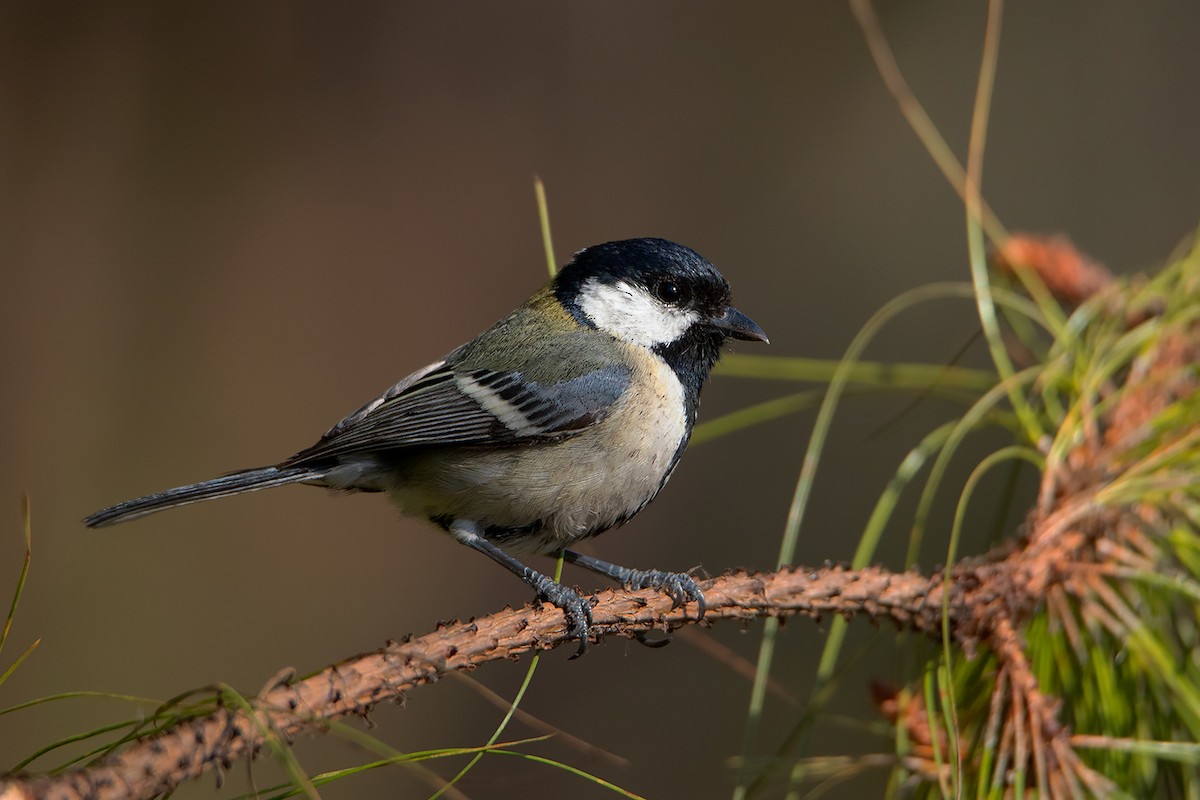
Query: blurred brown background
(224, 227)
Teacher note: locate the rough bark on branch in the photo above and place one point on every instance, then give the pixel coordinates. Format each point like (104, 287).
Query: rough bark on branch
(185, 751)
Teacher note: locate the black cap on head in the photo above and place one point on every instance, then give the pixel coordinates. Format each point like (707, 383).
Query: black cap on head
(647, 263)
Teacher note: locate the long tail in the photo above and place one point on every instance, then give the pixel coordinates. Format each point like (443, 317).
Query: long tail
(250, 480)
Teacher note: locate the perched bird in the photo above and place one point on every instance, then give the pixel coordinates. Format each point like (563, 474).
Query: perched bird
(561, 421)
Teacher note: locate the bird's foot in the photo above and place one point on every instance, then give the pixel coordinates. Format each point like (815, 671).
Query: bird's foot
(576, 609)
(679, 586)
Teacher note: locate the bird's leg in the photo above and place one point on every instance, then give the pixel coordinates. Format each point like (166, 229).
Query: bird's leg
(679, 586)
(576, 609)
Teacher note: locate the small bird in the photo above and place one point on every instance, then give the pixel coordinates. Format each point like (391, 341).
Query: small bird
(562, 420)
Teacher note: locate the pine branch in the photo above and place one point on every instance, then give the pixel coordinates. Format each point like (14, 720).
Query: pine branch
(187, 750)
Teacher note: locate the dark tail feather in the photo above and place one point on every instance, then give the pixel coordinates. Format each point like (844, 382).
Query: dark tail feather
(248, 481)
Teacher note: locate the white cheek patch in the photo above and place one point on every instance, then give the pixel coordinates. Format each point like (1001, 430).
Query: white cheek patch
(631, 313)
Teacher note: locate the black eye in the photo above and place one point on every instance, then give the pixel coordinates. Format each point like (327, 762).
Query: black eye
(669, 292)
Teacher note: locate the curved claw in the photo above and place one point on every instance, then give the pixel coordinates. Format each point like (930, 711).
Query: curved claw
(646, 641)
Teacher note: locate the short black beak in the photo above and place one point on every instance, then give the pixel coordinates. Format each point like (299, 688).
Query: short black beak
(736, 324)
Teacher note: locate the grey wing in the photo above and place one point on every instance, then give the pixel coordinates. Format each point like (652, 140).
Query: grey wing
(440, 405)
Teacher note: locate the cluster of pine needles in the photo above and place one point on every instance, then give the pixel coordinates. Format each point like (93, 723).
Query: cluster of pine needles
(1085, 679)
